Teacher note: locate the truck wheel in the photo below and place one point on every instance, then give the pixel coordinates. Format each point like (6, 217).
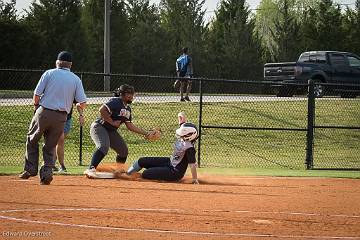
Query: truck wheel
(319, 89)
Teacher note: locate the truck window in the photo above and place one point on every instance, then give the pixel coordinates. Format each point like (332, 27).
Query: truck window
(318, 58)
(304, 57)
(321, 58)
(353, 61)
(337, 59)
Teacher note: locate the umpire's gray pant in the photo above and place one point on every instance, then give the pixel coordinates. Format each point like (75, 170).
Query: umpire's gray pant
(105, 139)
(47, 123)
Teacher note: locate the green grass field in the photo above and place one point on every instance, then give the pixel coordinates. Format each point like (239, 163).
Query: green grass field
(226, 151)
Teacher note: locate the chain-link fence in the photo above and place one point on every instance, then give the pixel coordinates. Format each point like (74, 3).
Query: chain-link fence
(337, 128)
(242, 123)
(248, 130)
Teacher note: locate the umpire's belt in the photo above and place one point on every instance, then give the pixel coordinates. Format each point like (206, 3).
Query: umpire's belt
(54, 110)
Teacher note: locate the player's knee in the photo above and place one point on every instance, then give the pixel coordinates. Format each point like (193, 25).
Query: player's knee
(148, 174)
(103, 149)
(123, 152)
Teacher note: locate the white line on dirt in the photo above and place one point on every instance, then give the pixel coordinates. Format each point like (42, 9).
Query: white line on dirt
(175, 232)
(174, 210)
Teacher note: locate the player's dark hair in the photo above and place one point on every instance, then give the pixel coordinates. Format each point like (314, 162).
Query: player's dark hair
(185, 49)
(123, 89)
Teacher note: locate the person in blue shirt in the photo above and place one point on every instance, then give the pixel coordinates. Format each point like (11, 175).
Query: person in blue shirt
(53, 99)
(184, 69)
(60, 147)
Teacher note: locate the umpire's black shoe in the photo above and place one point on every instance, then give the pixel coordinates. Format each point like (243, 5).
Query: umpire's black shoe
(46, 181)
(187, 99)
(46, 175)
(25, 175)
(182, 99)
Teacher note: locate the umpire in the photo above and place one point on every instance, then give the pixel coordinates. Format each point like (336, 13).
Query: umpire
(53, 99)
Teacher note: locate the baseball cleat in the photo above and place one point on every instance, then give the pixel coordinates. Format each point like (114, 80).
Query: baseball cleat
(93, 174)
(45, 182)
(25, 175)
(62, 169)
(90, 173)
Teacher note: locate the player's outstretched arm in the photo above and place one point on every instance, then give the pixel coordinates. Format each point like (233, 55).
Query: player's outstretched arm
(152, 135)
(132, 127)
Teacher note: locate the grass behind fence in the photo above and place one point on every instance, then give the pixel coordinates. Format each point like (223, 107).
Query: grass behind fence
(220, 147)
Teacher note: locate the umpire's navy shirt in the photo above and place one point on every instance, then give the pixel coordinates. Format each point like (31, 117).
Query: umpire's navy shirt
(118, 111)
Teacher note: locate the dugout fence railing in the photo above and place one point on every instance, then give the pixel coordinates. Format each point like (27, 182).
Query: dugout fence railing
(242, 123)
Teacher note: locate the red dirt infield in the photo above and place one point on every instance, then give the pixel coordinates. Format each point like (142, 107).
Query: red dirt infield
(74, 207)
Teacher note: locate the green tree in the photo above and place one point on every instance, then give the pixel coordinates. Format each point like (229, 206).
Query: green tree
(58, 27)
(17, 41)
(7, 11)
(352, 29)
(93, 24)
(286, 33)
(147, 43)
(183, 23)
(265, 18)
(120, 38)
(279, 24)
(234, 49)
(322, 27)
(92, 21)
(329, 33)
(291, 23)
(308, 29)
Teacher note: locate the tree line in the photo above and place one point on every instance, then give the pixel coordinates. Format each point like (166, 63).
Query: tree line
(147, 38)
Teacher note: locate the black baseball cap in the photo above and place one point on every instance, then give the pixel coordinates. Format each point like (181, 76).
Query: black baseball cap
(64, 56)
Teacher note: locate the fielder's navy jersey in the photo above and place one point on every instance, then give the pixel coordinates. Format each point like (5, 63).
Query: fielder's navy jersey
(118, 111)
(184, 153)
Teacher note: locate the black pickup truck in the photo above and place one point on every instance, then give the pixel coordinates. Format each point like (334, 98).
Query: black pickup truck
(334, 68)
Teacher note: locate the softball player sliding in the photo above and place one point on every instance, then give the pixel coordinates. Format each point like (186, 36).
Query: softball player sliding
(172, 168)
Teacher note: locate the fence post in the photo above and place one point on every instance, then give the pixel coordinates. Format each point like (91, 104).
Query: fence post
(80, 137)
(310, 126)
(200, 121)
(107, 45)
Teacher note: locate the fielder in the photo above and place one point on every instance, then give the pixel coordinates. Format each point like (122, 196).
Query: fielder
(104, 132)
(172, 168)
